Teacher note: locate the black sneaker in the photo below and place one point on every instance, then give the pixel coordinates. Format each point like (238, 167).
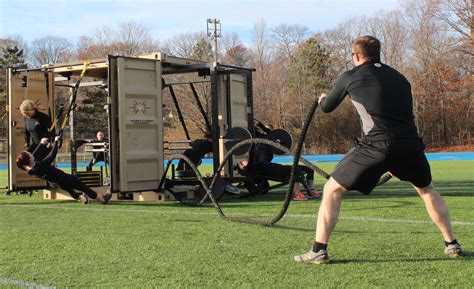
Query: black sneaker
(106, 197)
(453, 250)
(321, 257)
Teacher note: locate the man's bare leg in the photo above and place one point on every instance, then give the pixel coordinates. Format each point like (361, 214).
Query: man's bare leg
(437, 210)
(329, 210)
(327, 219)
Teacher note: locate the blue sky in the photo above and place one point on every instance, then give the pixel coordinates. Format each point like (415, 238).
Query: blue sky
(33, 19)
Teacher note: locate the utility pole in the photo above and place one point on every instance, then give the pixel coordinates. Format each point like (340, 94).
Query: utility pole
(214, 32)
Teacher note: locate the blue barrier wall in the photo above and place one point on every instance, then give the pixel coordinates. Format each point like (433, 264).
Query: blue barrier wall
(319, 158)
(335, 158)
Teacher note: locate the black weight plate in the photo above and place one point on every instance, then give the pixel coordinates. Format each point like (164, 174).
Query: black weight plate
(282, 137)
(234, 136)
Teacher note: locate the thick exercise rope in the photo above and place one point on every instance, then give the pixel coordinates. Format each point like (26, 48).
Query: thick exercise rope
(288, 197)
(209, 188)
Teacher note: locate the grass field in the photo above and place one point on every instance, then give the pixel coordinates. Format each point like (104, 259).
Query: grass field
(383, 240)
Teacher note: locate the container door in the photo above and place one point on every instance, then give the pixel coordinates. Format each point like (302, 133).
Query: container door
(233, 111)
(24, 85)
(136, 124)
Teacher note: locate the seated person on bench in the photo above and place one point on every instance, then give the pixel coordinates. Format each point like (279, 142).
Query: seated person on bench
(96, 155)
(199, 148)
(43, 169)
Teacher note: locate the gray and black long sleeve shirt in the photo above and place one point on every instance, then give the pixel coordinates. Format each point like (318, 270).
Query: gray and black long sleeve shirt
(382, 97)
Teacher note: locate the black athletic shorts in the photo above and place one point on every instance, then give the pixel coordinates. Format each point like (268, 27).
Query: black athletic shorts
(363, 166)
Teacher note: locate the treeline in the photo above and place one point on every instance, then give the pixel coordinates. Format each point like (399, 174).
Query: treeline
(429, 41)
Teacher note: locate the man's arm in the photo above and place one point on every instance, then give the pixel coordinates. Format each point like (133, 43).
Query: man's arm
(42, 149)
(52, 155)
(329, 102)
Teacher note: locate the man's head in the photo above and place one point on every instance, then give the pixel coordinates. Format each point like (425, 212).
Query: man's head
(28, 108)
(100, 135)
(365, 48)
(243, 164)
(25, 159)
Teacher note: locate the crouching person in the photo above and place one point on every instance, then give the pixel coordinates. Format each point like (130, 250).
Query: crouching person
(56, 178)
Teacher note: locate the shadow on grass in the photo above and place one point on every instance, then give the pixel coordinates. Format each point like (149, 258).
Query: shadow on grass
(188, 221)
(391, 189)
(467, 256)
(372, 232)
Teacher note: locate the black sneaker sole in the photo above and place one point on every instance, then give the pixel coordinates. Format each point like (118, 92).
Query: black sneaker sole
(107, 198)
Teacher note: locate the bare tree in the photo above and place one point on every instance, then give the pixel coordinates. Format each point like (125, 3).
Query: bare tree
(130, 38)
(237, 55)
(230, 40)
(134, 38)
(287, 37)
(337, 41)
(262, 51)
(50, 50)
(182, 45)
(234, 51)
(390, 29)
(458, 15)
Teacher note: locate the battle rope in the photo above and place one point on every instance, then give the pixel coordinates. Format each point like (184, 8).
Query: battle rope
(209, 188)
(199, 177)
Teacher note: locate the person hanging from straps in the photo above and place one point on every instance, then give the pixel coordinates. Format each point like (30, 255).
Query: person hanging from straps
(390, 143)
(55, 177)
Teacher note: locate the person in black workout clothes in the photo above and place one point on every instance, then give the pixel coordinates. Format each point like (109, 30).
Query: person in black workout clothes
(55, 177)
(390, 143)
(199, 149)
(264, 166)
(37, 126)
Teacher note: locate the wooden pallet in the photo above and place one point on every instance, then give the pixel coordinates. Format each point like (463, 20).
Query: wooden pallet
(59, 194)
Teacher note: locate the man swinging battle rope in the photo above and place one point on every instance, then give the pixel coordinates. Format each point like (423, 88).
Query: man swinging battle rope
(383, 99)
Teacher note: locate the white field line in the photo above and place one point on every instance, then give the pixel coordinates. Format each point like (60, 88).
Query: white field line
(23, 284)
(185, 212)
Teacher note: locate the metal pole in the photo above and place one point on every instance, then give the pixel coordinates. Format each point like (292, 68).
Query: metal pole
(214, 33)
(215, 40)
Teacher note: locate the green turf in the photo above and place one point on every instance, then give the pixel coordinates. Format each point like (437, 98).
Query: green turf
(125, 244)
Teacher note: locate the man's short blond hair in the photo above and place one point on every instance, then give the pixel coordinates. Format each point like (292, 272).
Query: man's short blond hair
(27, 105)
(367, 46)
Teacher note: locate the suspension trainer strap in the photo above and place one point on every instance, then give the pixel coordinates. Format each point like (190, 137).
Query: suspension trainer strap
(72, 102)
(58, 115)
(46, 80)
